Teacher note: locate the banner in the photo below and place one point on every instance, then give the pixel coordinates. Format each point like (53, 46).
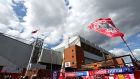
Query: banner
(115, 70)
(127, 70)
(121, 76)
(106, 27)
(103, 71)
(70, 74)
(126, 76)
(123, 70)
(83, 73)
(91, 73)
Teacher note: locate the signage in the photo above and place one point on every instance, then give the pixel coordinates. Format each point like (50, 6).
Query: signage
(99, 76)
(115, 70)
(132, 76)
(121, 76)
(126, 76)
(127, 69)
(120, 70)
(103, 71)
(91, 73)
(83, 73)
(70, 74)
(67, 64)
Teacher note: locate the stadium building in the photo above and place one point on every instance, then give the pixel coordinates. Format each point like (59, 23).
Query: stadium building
(17, 55)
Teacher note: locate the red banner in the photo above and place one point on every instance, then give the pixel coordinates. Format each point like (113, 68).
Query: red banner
(91, 73)
(105, 26)
(70, 74)
(104, 71)
(121, 76)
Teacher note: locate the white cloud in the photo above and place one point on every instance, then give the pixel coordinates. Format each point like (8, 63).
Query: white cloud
(44, 13)
(137, 53)
(54, 17)
(3, 28)
(9, 23)
(6, 12)
(13, 32)
(120, 52)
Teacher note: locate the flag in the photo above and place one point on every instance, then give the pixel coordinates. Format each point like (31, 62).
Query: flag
(35, 31)
(106, 27)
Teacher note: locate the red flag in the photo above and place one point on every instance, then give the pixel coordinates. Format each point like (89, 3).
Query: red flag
(105, 26)
(35, 31)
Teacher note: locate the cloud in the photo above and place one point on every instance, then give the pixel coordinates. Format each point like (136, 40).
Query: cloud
(123, 14)
(44, 13)
(3, 28)
(19, 9)
(137, 53)
(54, 17)
(9, 23)
(50, 16)
(120, 52)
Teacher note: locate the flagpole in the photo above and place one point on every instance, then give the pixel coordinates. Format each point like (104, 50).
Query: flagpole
(128, 47)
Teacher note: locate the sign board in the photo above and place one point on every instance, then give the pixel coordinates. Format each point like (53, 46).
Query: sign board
(67, 64)
(103, 71)
(91, 73)
(83, 73)
(70, 74)
(115, 70)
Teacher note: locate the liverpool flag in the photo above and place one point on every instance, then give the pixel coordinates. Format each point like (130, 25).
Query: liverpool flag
(106, 27)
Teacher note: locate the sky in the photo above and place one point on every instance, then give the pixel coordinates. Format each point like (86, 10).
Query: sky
(56, 20)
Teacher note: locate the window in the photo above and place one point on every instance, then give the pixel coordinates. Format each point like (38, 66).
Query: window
(72, 56)
(72, 50)
(72, 62)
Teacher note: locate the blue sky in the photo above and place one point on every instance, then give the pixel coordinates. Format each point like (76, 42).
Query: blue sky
(19, 9)
(132, 41)
(56, 18)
